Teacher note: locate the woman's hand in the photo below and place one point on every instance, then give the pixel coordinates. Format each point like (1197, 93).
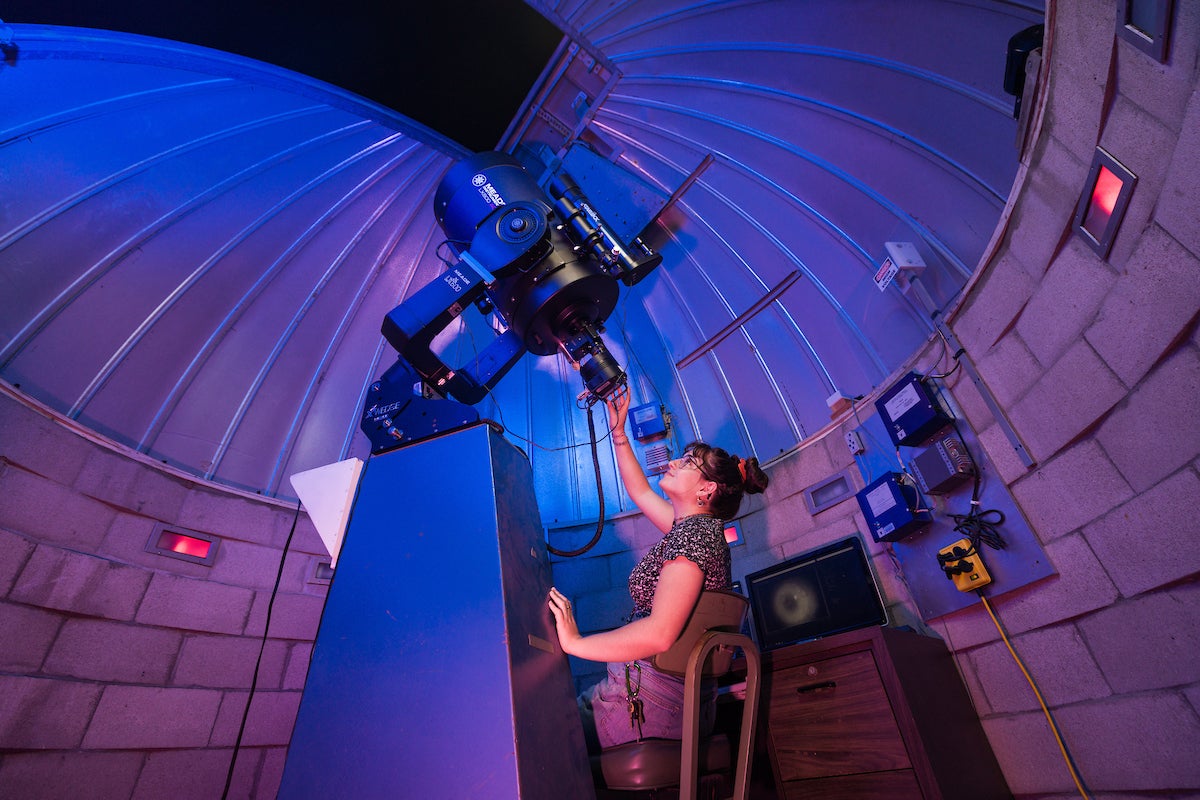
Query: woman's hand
(618, 408)
(564, 620)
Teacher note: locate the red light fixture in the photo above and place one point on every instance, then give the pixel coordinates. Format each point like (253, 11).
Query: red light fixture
(199, 548)
(1102, 204)
(184, 545)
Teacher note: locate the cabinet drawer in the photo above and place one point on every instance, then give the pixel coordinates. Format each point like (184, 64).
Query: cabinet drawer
(833, 717)
(900, 785)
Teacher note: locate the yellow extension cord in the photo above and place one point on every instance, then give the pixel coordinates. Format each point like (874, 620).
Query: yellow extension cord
(1053, 728)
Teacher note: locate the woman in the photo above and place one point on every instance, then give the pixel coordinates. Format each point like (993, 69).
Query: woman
(703, 488)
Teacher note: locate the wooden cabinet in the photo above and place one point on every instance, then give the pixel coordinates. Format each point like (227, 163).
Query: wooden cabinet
(874, 713)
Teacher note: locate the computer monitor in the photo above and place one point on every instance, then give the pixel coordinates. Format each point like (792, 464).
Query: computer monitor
(824, 591)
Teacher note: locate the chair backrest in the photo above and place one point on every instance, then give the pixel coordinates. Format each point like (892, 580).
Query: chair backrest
(715, 610)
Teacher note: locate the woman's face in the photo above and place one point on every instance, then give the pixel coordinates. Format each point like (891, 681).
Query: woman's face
(683, 478)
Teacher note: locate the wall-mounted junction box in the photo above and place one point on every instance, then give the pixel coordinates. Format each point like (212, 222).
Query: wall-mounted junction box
(892, 509)
(909, 412)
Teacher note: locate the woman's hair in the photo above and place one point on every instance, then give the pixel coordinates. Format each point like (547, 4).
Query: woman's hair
(732, 475)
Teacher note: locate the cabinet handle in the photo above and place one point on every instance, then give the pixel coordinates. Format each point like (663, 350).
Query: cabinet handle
(816, 687)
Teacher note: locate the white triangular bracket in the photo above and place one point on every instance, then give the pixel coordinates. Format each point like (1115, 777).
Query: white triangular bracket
(327, 493)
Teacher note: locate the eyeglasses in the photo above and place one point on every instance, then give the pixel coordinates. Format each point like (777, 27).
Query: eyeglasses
(685, 462)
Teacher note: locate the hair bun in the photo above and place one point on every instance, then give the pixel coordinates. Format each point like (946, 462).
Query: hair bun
(754, 480)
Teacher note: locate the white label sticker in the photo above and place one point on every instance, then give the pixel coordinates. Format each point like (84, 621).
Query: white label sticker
(880, 499)
(902, 401)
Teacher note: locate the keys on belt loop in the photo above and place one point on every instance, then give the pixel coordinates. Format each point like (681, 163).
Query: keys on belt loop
(636, 715)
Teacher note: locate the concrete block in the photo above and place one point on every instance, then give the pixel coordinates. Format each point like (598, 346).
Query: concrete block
(271, 775)
(1002, 454)
(187, 604)
(296, 672)
(82, 584)
(1070, 490)
(1150, 541)
(229, 720)
(273, 663)
(1057, 659)
(147, 717)
(295, 616)
(1080, 64)
(48, 511)
(245, 774)
(44, 713)
(1072, 395)
(966, 628)
(197, 774)
(1148, 642)
(299, 572)
(27, 634)
(806, 466)
(216, 661)
(1028, 755)
(1152, 303)
(77, 775)
(787, 519)
(1176, 211)
(1065, 303)
(234, 517)
(1162, 90)
(1043, 214)
(1009, 370)
(993, 307)
(1192, 693)
(272, 717)
(114, 478)
(116, 652)
(39, 444)
(251, 565)
(1082, 586)
(1155, 431)
(14, 552)
(1149, 742)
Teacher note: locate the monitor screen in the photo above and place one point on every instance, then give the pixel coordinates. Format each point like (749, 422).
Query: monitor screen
(824, 591)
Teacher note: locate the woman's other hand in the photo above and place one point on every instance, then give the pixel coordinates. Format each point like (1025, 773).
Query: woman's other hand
(564, 620)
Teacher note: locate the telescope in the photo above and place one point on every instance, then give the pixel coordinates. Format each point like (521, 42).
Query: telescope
(542, 260)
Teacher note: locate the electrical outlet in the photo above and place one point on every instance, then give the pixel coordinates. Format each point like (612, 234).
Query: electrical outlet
(963, 564)
(855, 443)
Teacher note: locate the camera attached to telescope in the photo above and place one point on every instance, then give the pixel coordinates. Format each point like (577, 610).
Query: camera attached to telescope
(543, 261)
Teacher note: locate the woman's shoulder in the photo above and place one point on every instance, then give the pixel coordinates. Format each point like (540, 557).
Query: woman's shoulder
(700, 530)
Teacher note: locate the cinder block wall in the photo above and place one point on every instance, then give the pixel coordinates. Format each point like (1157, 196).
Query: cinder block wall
(1096, 362)
(123, 673)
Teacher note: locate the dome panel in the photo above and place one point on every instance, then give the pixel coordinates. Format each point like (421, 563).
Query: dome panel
(197, 250)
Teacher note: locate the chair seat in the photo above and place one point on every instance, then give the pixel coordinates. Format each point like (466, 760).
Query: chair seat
(654, 763)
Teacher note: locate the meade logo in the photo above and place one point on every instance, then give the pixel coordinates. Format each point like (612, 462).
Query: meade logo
(486, 190)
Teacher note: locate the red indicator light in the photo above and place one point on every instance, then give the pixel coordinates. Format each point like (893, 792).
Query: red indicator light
(1104, 200)
(184, 545)
(732, 534)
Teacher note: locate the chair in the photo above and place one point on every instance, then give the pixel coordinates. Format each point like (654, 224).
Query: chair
(704, 649)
